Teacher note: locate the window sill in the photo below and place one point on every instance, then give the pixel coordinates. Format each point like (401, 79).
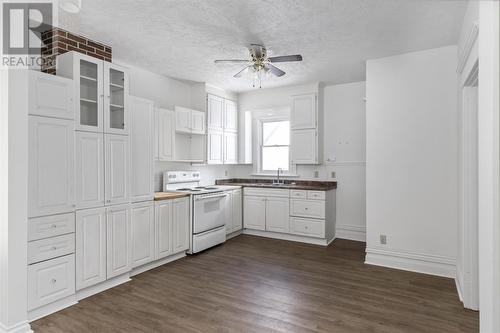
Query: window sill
(288, 175)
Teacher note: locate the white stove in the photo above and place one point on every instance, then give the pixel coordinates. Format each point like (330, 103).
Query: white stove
(208, 218)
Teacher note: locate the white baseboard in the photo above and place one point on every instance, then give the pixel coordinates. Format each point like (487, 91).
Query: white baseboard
(157, 263)
(22, 327)
(52, 307)
(98, 288)
(414, 262)
(288, 237)
(459, 289)
(350, 232)
(234, 234)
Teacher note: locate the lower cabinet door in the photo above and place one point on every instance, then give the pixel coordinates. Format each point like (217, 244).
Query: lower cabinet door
(237, 202)
(119, 249)
(254, 212)
(163, 224)
(277, 214)
(90, 249)
(50, 281)
(180, 225)
(143, 233)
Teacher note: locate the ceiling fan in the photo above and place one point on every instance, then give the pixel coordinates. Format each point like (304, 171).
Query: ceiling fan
(259, 63)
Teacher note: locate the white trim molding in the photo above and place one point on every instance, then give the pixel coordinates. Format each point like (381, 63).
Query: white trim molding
(469, 43)
(288, 237)
(414, 262)
(351, 232)
(23, 327)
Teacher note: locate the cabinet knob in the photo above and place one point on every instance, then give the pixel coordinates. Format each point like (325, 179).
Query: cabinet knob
(53, 226)
(53, 281)
(54, 248)
(306, 227)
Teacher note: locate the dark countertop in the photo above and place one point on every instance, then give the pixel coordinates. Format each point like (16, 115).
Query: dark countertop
(289, 184)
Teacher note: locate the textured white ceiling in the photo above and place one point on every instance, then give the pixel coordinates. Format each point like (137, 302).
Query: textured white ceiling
(182, 38)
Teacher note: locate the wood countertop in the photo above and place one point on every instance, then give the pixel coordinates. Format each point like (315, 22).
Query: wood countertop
(169, 195)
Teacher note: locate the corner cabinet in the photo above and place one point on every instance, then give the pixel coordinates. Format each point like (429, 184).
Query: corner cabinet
(222, 130)
(101, 91)
(304, 128)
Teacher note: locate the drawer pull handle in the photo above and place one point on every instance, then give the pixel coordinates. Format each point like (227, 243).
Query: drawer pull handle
(307, 208)
(53, 281)
(54, 247)
(53, 226)
(306, 227)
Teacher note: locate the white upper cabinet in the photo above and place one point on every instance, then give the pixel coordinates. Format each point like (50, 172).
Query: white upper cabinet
(51, 96)
(303, 111)
(180, 225)
(215, 112)
(87, 73)
(304, 146)
(197, 122)
(51, 174)
(230, 116)
(215, 145)
(230, 148)
(141, 149)
(166, 134)
(89, 169)
(182, 119)
(118, 241)
(101, 92)
(143, 233)
(116, 109)
(116, 169)
(90, 250)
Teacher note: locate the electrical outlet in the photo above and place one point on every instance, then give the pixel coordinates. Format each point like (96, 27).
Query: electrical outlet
(383, 239)
(334, 175)
(316, 174)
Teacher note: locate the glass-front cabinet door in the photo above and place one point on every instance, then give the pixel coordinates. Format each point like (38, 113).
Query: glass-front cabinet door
(115, 99)
(89, 115)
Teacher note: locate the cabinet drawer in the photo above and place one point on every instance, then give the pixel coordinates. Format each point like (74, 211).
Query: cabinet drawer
(50, 281)
(307, 208)
(50, 226)
(307, 227)
(49, 248)
(298, 194)
(316, 195)
(266, 192)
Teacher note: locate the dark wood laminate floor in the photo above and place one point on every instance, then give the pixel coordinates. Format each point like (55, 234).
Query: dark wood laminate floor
(253, 284)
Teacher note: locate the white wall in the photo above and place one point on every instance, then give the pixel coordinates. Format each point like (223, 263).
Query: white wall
(411, 161)
(344, 145)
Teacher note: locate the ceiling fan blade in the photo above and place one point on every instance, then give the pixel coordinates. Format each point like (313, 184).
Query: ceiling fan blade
(275, 70)
(243, 71)
(295, 57)
(231, 61)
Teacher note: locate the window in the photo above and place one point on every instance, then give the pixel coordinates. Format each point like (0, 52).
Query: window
(275, 145)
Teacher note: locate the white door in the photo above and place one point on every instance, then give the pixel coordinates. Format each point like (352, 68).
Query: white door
(143, 233)
(182, 119)
(116, 168)
(230, 148)
(197, 122)
(215, 112)
(166, 135)
(180, 225)
(118, 241)
(304, 146)
(230, 116)
(116, 108)
(277, 214)
(237, 218)
(215, 145)
(303, 111)
(228, 212)
(254, 210)
(141, 149)
(90, 248)
(51, 96)
(51, 174)
(89, 169)
(88, 72)
(163, 224)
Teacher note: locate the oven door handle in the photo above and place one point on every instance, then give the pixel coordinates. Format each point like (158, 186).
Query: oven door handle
(197, 198)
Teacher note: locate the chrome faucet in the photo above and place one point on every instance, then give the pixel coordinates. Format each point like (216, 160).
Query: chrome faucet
(278, 181)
